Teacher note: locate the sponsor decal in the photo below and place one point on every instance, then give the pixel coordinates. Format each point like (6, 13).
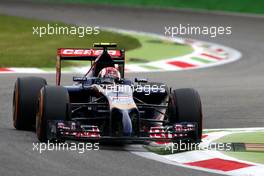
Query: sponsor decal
(86, 52)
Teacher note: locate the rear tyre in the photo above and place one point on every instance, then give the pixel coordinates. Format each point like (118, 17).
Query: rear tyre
(185, 106)
(25, 102)
(53, 104)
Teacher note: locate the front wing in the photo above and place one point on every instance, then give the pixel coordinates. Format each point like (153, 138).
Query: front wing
(70, 130)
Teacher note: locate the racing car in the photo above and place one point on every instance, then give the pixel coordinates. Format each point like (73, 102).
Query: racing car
(103, 105)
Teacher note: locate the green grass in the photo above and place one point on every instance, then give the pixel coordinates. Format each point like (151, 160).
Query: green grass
(153, 49)
(257, 157)
(158, 150)
(250, 137)
(20, 48)
(245, 6)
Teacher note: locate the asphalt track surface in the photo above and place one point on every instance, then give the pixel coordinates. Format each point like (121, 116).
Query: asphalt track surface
(232, 94)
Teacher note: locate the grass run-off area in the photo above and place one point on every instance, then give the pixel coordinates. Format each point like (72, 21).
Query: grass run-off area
(244, 6)
(256, 157)
(243, 137)
(250, 137)
(20, 48)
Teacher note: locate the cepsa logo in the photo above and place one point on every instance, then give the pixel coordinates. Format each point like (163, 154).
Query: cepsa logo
(86, 52)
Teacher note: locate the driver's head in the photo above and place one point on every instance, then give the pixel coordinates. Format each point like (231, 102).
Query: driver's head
(109, 72)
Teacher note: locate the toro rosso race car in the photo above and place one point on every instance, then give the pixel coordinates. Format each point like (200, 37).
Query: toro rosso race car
(103, 105)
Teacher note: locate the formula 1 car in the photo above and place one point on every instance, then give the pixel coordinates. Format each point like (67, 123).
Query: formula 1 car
(103, 105)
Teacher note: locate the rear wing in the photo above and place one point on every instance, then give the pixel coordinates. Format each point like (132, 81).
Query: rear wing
(87, 54)
(84, 54)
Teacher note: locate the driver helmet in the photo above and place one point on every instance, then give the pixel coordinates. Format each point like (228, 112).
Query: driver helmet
(109, 73)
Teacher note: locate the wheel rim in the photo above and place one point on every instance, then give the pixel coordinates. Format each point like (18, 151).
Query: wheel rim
(15, 105)
(39, 119)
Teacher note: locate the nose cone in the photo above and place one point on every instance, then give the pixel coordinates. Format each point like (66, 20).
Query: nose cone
(127, 125)
(123, 121)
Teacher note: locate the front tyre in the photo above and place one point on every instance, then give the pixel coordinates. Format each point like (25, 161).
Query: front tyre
(53, 105)
(25, 101)
(185, 106)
